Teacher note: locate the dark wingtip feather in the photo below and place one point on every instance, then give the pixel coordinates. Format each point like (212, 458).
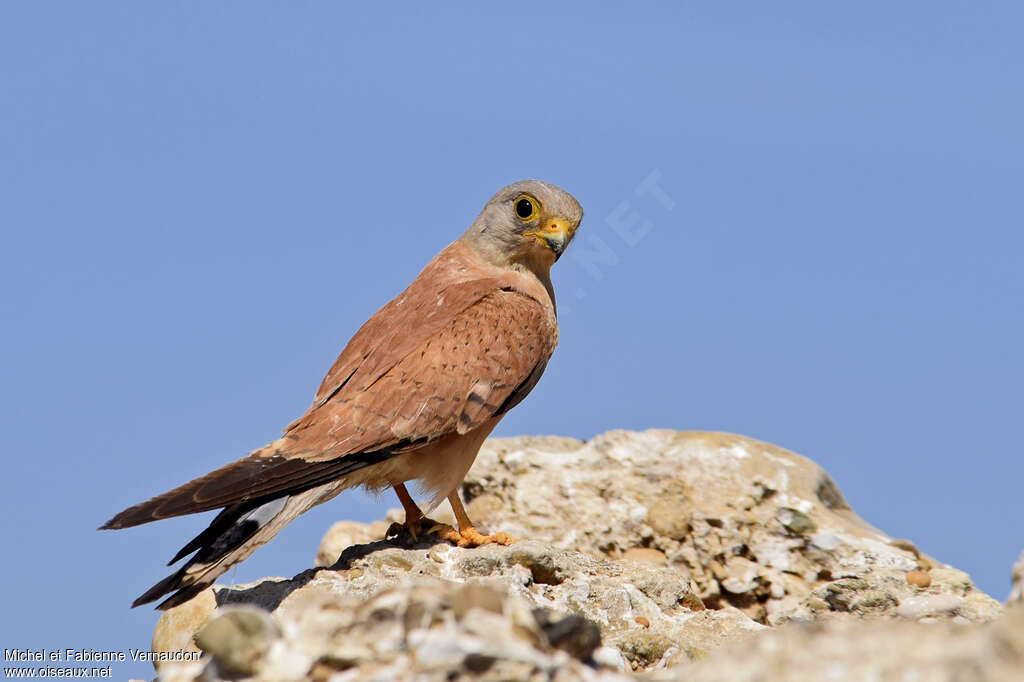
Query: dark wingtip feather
(180, 597)
(168, 584)
(232, 529)
(171, 583)
(220, 523)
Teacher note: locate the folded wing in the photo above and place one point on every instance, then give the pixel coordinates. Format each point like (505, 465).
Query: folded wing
(428, 374)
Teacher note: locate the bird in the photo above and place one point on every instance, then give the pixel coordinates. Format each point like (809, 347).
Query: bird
(411, 397)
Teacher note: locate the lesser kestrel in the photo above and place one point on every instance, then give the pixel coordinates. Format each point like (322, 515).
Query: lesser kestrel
(411, 397)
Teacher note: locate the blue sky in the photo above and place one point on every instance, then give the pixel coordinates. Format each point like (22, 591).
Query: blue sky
(201, 203)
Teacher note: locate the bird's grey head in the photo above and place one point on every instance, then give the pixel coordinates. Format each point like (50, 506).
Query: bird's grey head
(529, 222)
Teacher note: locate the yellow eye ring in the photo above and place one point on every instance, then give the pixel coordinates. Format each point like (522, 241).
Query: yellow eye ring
(526, 208)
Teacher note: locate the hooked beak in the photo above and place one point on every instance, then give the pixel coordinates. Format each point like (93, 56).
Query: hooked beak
(555, 234)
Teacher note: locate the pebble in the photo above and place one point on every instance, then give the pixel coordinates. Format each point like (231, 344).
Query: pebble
(919, 578)
(239, 638)
(645, 555)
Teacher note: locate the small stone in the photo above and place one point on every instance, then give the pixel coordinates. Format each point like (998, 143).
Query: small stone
(796, 521)
(668, 514)
(919, 578)
(645, 555)
(239, 638)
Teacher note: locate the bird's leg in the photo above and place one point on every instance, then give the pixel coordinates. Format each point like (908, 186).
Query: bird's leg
(414, 518)
(466, 535)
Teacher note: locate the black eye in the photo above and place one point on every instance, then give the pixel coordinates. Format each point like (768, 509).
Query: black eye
(524, 208)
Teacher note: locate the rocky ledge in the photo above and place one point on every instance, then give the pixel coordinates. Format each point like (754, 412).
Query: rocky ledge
(660, 555)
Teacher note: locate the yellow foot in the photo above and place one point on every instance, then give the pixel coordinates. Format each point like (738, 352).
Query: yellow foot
(468, 536)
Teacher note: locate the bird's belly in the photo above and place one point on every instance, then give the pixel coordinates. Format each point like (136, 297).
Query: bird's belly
(439, 467)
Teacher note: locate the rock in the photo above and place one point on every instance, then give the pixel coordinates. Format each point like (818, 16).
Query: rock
(644, 551)
(930, 606)
(176, 626)
(345, 534)
(667, 514)
(238, 639)
(919, 578)
(702, 633)
(1017, 593)
(753, 525)
(573, 634)
(796, 521)
(854, 650)
(427, 628)
(645, 555)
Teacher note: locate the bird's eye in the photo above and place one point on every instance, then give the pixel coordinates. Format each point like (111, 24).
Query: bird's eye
(526, 209)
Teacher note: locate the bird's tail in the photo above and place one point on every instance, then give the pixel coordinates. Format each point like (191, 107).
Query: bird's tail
(233, 535)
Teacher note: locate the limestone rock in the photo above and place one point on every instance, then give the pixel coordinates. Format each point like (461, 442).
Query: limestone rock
(641, 552)
(877, 651)
(426, 629)
(239, 639)
(176, 626)
(344, 534)
(753, 525)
